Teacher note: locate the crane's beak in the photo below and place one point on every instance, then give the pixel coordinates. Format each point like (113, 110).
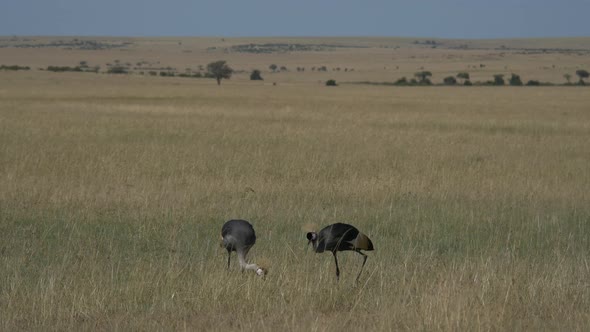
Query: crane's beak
(310, 238)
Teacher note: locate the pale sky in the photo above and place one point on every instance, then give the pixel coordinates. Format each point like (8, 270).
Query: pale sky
(233, 18)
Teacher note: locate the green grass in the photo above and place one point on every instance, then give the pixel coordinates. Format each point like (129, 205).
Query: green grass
(112, 202)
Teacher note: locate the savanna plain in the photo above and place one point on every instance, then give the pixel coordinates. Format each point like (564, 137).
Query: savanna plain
(113, 188)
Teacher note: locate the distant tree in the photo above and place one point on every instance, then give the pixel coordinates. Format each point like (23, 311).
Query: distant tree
(582, 74)
(515, 80)
(219, 70)
(255, 75)
(498, 79)
(467, 83)
(273, 67)
(283, 68)
(533, 83)
(331, 83)
(464, 76)
(568, 78)
(423, 77)
(450, 80)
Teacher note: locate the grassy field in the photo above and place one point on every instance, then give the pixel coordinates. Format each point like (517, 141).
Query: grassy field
(345, 59)
(113, 190)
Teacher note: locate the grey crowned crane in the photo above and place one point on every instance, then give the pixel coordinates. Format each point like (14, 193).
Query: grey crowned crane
(340, 237)
(239, 236)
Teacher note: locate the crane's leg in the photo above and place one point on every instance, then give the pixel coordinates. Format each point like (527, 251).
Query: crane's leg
(364, 261)
(242, 258)
(337, 269)
(228, 258)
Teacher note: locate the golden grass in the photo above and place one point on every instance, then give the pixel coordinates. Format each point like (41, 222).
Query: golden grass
(113, 191)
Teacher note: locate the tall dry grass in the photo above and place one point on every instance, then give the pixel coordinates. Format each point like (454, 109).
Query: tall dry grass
(113, 191)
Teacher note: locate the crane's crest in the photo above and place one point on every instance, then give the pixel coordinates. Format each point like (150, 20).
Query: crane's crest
(309, 227)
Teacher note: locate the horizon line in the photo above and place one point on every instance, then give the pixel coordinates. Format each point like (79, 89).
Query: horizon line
(290, 36)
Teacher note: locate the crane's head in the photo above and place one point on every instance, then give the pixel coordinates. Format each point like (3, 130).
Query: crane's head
(312, 238)
(262, 269)
(261, 272)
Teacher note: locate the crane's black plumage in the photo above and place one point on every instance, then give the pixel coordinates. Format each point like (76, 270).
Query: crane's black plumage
(239, 236)
(340, 237)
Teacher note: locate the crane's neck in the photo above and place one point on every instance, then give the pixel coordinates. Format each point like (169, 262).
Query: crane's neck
(245, 265)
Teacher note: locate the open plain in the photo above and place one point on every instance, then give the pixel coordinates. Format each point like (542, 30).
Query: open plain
(113, 188)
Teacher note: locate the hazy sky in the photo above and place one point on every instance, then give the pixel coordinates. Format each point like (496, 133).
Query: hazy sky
(404, 18)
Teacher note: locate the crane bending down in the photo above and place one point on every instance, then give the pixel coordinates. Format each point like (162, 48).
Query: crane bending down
(340, 237)
(239, 236)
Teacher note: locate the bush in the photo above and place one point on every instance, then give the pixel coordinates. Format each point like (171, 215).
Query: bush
(468, 83)
(450, 80)
(14, 67)
(515, 80)
(255, 75)
(498, 79)
(463, 76)
(401, 81)
(187, 75)
(63, 68)
(426, 81)
(117, 70)
(582, 74)
(166, 74)
(331, 83)
(533, 83)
